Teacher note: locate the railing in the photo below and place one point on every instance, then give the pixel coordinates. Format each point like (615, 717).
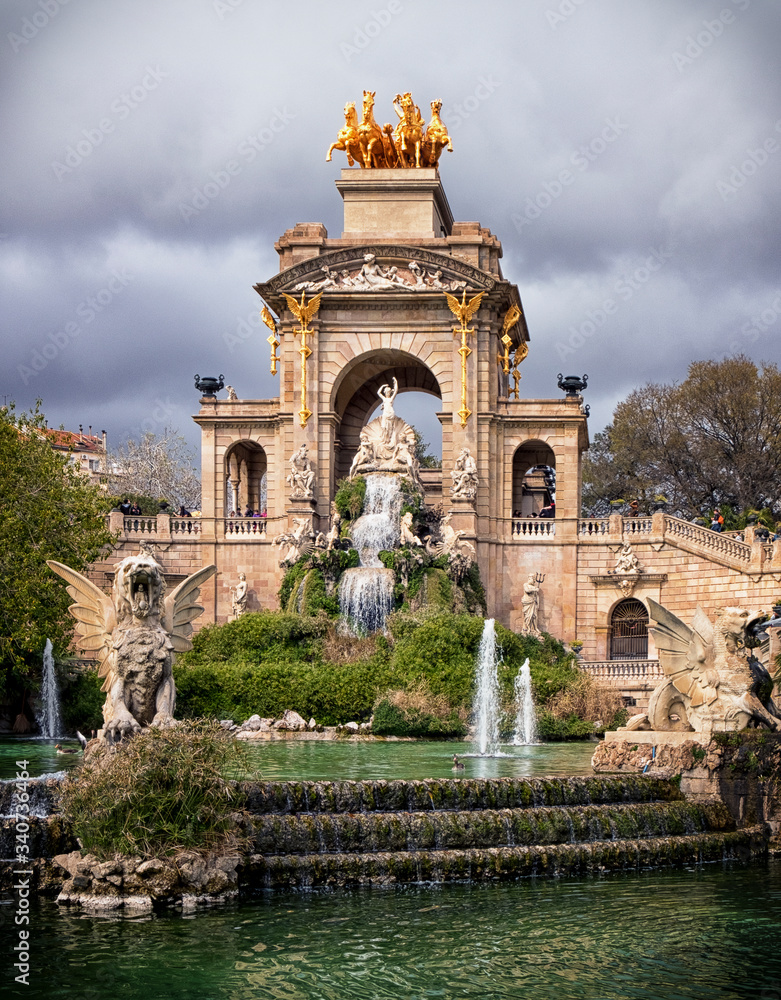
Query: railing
(533, 527)
(624, 670)
(767, 548)
(185, 525)
(707, 539)
(593, 526)
(637, 526)
(140, 525)
(245, 527)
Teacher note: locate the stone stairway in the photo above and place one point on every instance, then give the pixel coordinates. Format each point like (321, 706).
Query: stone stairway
(341, 833)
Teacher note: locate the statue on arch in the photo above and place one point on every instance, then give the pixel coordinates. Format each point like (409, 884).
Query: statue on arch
(302, 475)
(464, 476)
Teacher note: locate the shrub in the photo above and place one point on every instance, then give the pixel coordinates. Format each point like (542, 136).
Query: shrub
(161, 792)
(350, 494)
(416, 712)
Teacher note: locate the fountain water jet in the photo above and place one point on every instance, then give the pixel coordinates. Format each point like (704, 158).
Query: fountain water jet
(48, 715)
(486, 704)
(525, 719)
(366, 592)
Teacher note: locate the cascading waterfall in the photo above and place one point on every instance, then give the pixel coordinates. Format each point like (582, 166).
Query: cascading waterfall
(486, 705)
(48, 714)
(366, 592)
(525, 718)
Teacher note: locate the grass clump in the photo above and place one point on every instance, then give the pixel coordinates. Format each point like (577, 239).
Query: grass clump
(160, 793)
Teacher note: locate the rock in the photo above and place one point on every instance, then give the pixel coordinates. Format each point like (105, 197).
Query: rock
(312, 724)
(152, 867)
(252, 723)
(352, 726)
(291, 721)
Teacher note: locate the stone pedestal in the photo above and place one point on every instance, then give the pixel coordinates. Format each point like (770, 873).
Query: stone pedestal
(388, 203)
(299, 509)
(463, 517)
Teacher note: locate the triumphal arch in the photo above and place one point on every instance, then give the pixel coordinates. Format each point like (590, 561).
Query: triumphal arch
(406, 299)
(403, 293)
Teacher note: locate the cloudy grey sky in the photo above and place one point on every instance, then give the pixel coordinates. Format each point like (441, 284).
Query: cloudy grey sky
(626, 152)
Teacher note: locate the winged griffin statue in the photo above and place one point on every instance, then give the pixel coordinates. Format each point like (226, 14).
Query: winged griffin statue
(716, 678)
(134, 635)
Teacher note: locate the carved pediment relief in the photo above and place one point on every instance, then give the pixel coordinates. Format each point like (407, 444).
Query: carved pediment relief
(377, 268)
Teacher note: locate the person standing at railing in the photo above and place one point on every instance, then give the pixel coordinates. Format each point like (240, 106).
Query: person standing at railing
(717, 521)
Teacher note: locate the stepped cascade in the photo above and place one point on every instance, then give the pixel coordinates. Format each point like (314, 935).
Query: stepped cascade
(338, 833)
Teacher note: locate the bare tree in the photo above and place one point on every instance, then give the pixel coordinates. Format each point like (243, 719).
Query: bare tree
(159, 466)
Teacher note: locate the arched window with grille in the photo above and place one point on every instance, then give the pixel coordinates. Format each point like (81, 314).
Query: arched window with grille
(629, 631)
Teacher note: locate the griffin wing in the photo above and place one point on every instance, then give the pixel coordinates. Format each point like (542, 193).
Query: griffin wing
(94, 612)
(683, 651)
(181, 608)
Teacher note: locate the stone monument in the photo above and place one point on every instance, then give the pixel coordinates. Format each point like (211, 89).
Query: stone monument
(134, 635)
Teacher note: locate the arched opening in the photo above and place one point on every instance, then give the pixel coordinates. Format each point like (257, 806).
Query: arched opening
(246, 478)
(629, 631)
(355, 399)
(534, 479)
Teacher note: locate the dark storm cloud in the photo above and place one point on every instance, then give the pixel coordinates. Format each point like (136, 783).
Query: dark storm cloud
(627, 155)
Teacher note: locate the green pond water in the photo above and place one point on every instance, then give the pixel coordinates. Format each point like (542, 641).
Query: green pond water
(323, 761)
(703, 933)
(708, 933)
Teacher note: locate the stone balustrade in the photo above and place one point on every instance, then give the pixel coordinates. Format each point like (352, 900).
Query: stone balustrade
(593, 527)
(624, 670)
(244, 527)
(710, 543)
(533, 528)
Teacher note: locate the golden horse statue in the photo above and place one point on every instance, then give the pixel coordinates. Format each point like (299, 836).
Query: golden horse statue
(347, 139)
(436, 137)
(409, 131)
(370, 134)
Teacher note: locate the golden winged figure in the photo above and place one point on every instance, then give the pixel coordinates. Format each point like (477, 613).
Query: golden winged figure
(268, 319)
(511, 317)
(303, 310)
(463, 310)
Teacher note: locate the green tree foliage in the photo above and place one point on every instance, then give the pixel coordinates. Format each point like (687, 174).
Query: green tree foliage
(424, 457)
(48, 510)
(159, 466)
(713, 439)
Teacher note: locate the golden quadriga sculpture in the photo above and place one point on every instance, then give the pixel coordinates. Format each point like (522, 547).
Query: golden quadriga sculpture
(412, 143)
(716, 676)
(134, 635)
